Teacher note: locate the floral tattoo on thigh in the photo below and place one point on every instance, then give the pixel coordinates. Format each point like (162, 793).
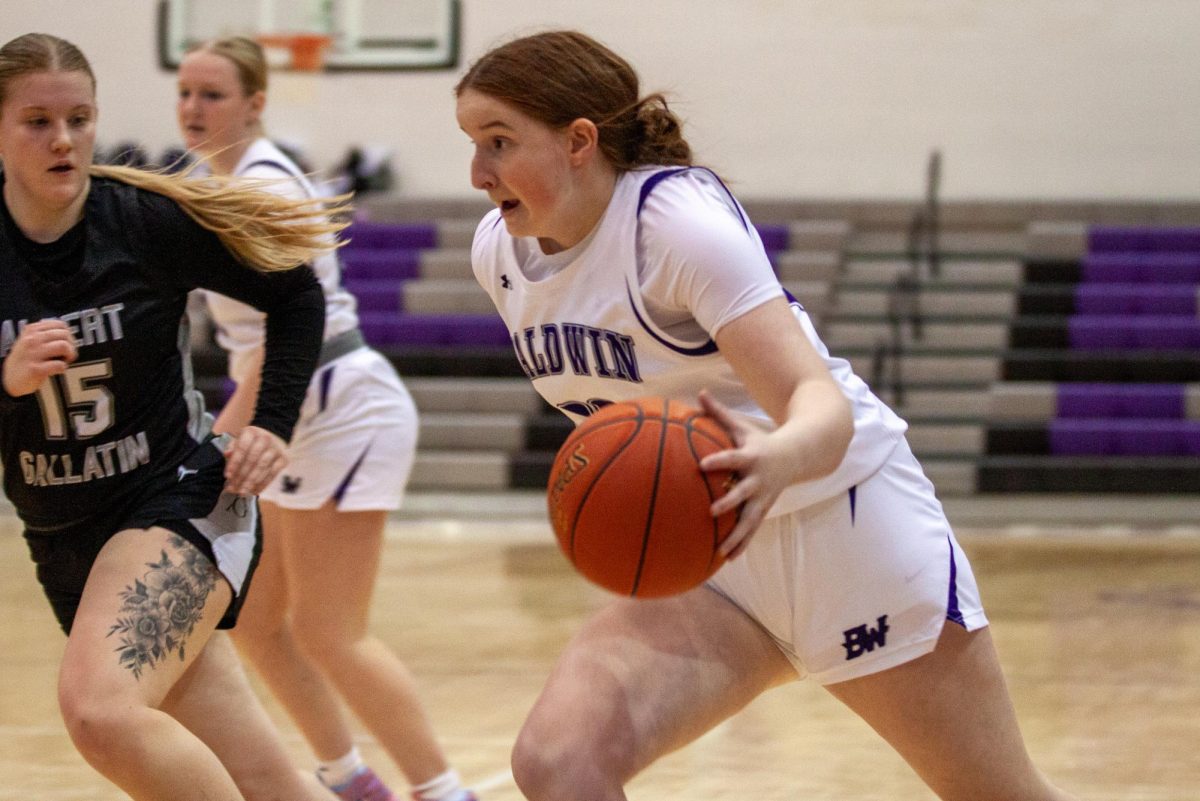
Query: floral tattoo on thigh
(159, 611)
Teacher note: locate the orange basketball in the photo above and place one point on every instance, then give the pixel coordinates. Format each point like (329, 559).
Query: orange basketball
(629, 503)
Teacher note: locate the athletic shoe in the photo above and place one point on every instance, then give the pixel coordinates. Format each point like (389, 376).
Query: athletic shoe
(365, 786)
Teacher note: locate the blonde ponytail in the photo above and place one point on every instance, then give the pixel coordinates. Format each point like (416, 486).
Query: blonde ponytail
(264, 230)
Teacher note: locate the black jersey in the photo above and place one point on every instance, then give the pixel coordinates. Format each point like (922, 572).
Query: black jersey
(125, 414)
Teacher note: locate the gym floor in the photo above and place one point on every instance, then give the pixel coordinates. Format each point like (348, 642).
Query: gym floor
(1098, 626)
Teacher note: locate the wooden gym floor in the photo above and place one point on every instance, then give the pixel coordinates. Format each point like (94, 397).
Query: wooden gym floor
(1099, 632)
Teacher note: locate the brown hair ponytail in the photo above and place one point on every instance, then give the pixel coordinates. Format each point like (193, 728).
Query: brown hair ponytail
(561, 76)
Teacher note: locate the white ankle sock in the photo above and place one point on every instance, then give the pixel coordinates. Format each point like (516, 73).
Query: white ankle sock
(336, 772)
(446, 787)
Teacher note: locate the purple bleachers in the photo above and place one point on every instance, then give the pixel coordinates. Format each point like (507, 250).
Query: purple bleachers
(377, 265)
(374, 294)
(390, 236)
(391, 328)
(1125, 437)
(1114, 239)
(1097, 299)
(1101, 401)
(1141, 268)
(1129, 332)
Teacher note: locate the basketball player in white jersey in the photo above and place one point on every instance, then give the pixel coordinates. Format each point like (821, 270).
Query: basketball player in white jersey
(305, 626)
(621, 271)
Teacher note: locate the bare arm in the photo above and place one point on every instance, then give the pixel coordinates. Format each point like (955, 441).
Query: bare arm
(787, 377)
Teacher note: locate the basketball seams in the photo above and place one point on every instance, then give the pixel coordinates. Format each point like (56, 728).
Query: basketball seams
(716, 522)
(584, 429)
(640, 419)
(664, 427)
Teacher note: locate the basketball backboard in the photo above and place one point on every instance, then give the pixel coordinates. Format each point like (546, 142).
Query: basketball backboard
(366, 34)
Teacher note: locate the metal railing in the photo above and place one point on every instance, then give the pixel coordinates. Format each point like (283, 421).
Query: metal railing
(923, 250)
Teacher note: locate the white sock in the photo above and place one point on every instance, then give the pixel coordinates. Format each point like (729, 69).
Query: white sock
(446, 787)
(337, 772)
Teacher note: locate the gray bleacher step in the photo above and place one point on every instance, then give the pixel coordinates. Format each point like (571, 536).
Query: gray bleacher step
(965, 438)
(455, 394)
(830, 235)
(1023, 400)
(930, 301)
(459, 470)
(840, 335)
(1056, 240)
(984, 241)
(389, 207)
(446, 296)
(808, 265)
(971, 404)
(996, 272)
(492, 431)
(941, 368)
(447, 263)
(951, 477)
(457, 233)
(815, 296)
(1014, 401)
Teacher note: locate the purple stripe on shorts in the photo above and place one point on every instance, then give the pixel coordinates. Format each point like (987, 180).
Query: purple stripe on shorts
(953, 613)
(341, 490)
(853, 502)
(326, 380)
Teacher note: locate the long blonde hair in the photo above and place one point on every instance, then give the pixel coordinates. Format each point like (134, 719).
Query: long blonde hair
(264, 230)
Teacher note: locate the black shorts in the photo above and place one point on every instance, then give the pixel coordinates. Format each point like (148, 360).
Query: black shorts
(224, 527)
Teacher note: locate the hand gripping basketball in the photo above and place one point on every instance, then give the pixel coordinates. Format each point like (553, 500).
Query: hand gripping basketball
(629, 503)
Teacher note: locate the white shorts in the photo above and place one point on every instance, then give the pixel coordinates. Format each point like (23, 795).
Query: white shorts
(858, 583)
(355, 441)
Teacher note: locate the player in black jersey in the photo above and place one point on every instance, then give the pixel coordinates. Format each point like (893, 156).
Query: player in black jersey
(142, 524)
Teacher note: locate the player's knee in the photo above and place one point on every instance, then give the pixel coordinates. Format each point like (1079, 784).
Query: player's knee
(536, 772)
(547, 767)
(96, 727)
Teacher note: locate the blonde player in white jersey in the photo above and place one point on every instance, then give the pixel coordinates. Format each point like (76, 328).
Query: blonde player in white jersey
(623, 271)
(305, 625)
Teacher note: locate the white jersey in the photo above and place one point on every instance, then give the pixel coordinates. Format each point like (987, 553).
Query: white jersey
(600, 323)
(239, 328)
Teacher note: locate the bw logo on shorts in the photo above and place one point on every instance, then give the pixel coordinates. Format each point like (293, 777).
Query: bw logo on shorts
(863, 639)
(290, 484)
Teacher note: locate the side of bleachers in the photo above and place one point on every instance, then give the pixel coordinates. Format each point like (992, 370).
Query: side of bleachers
(1101, 390)
(1018, 358)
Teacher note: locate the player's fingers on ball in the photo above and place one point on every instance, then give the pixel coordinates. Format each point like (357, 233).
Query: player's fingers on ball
(738, 494)
(725, 503)
(721, 460)
(734, 543)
